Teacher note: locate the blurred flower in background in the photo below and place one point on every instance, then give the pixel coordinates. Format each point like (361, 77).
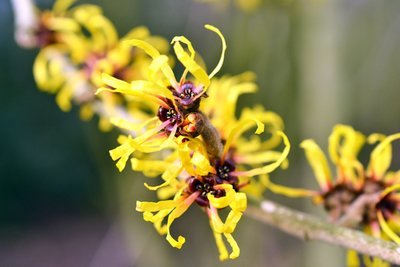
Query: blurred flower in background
(358, 196)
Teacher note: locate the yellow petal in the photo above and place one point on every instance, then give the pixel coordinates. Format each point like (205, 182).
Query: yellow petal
(223, 252)
(389, 190)
(222, 202)
(184, 40)
(189, 63)
(60, 6)
(86, 112)
(150, 88)
(318, 163)
(241, 127)
(260, 157)
(344, 144)
(235, 248)
(131, 126)
(381, 156)
(288, 191)
(168, 176)
(176, 213)
(153, 53)
(64, 97)
(47, 70)
(140, 32)
(150, 168)
(352, 259)
(114, 82)
(272, 166)
(143, 206)
(238, 206)
(123, 152)
(202, 163)
(386, 228)
(221, 60)
(61, 24)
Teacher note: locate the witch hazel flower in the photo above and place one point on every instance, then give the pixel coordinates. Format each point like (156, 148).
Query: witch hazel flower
(174, 104)
(367, 198)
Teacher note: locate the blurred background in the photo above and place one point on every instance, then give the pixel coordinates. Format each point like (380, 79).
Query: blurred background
(318, 62)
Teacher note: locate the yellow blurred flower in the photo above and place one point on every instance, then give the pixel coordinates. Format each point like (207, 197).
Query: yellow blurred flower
(84, 44)
(378, 217)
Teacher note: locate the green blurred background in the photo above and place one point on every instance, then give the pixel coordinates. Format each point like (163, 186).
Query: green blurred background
(63, 202)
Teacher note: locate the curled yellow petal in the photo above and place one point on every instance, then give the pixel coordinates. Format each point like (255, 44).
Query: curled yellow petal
(238, 206)
(189, 63)
(260, 157)
(222, 202)
(176, 213)
(272, 166)
(64, 97)
(381, 156)
(241, 127)
(386, 228)
(223, 252)
(202, 163)
(168, 176)
(221, 59)
(318, 163)
(47, 70)
(184, 40)
(140, 32)
(154, 54)
(344, 144)
(389, 190)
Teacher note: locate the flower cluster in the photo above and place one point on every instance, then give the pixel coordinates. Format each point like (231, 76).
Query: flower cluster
(362, 197)
(185, 129)
(77, 45)
(206, 158)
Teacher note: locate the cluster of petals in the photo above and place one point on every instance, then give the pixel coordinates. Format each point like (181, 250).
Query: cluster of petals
(381, 218)
(189, 173)
(77, 45)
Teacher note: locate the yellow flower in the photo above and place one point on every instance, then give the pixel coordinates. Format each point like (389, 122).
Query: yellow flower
(71, 65)
(190, 171)
(213, 188)
(241, 153)
(174, 103)
(211, 196)
(378, 217)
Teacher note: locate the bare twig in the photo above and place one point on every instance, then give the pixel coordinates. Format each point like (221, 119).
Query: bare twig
(308, 227)
(26, 22)
(354, 213)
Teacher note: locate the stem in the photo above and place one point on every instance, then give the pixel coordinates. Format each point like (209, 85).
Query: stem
(211, 137)
(308, 227)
